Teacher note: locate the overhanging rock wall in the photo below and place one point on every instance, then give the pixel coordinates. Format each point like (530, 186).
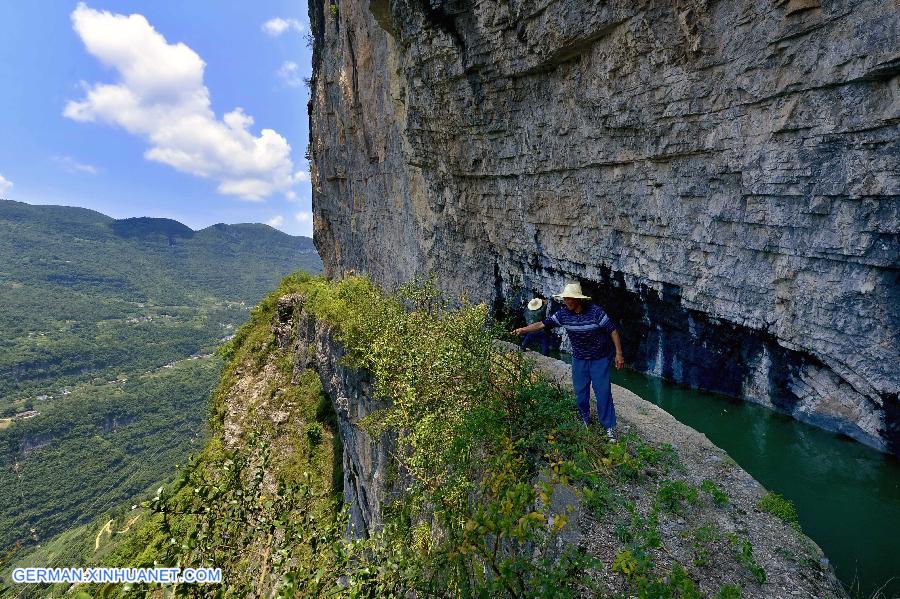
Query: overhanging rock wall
(723, 176)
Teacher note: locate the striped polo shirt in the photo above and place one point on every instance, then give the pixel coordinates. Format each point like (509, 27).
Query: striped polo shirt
(589, 331)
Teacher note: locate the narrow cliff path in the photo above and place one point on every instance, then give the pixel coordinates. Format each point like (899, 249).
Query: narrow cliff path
(721, 534)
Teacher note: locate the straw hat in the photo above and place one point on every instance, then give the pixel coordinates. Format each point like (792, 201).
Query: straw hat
(572, 290)
(535, 304)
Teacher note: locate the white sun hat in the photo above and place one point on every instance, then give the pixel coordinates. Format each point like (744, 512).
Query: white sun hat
(535, 304)
(572, 290)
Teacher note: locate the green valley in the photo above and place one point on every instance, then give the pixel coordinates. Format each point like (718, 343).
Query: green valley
(107, 336)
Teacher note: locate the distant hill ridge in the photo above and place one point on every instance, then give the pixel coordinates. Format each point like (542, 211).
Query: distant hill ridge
(65, 217)
(144, 226)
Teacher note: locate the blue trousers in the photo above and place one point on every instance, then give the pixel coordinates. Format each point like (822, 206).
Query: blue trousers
(541, 336)
(585, 372)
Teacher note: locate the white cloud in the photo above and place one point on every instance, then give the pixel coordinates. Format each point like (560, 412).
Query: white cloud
(5, 184)
(277, 26)
(161, 98)
(290, 74)
(275, 221)
(73, 166)
(299, 177)
(306, 220)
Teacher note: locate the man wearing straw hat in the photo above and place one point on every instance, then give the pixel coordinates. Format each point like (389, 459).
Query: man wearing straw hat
(595, 343)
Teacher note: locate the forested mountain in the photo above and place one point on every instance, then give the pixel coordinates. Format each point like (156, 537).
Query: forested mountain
(107, 329)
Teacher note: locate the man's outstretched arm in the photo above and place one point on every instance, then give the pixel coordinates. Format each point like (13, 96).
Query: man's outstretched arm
(537, 326)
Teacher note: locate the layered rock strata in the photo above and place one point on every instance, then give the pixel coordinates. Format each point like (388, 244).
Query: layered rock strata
(723, 176)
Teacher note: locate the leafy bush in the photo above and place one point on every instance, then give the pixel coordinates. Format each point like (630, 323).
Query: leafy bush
(729, 591)
(673, 495)
(780, 507)
(719, 497)
(743, 551)
(314, 433)
(473, 430)
(701, 538)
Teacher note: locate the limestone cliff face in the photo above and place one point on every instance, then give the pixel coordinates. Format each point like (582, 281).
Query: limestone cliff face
(722, 176)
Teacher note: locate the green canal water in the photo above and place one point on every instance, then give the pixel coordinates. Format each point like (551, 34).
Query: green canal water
(847, 495)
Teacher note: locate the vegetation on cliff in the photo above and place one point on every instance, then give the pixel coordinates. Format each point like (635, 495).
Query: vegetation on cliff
(490, 462)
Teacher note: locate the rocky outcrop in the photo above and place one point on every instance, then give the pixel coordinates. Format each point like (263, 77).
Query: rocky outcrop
(364, 460)
(722, 176)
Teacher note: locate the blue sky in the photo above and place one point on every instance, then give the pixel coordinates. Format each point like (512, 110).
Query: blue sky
(189, 110)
